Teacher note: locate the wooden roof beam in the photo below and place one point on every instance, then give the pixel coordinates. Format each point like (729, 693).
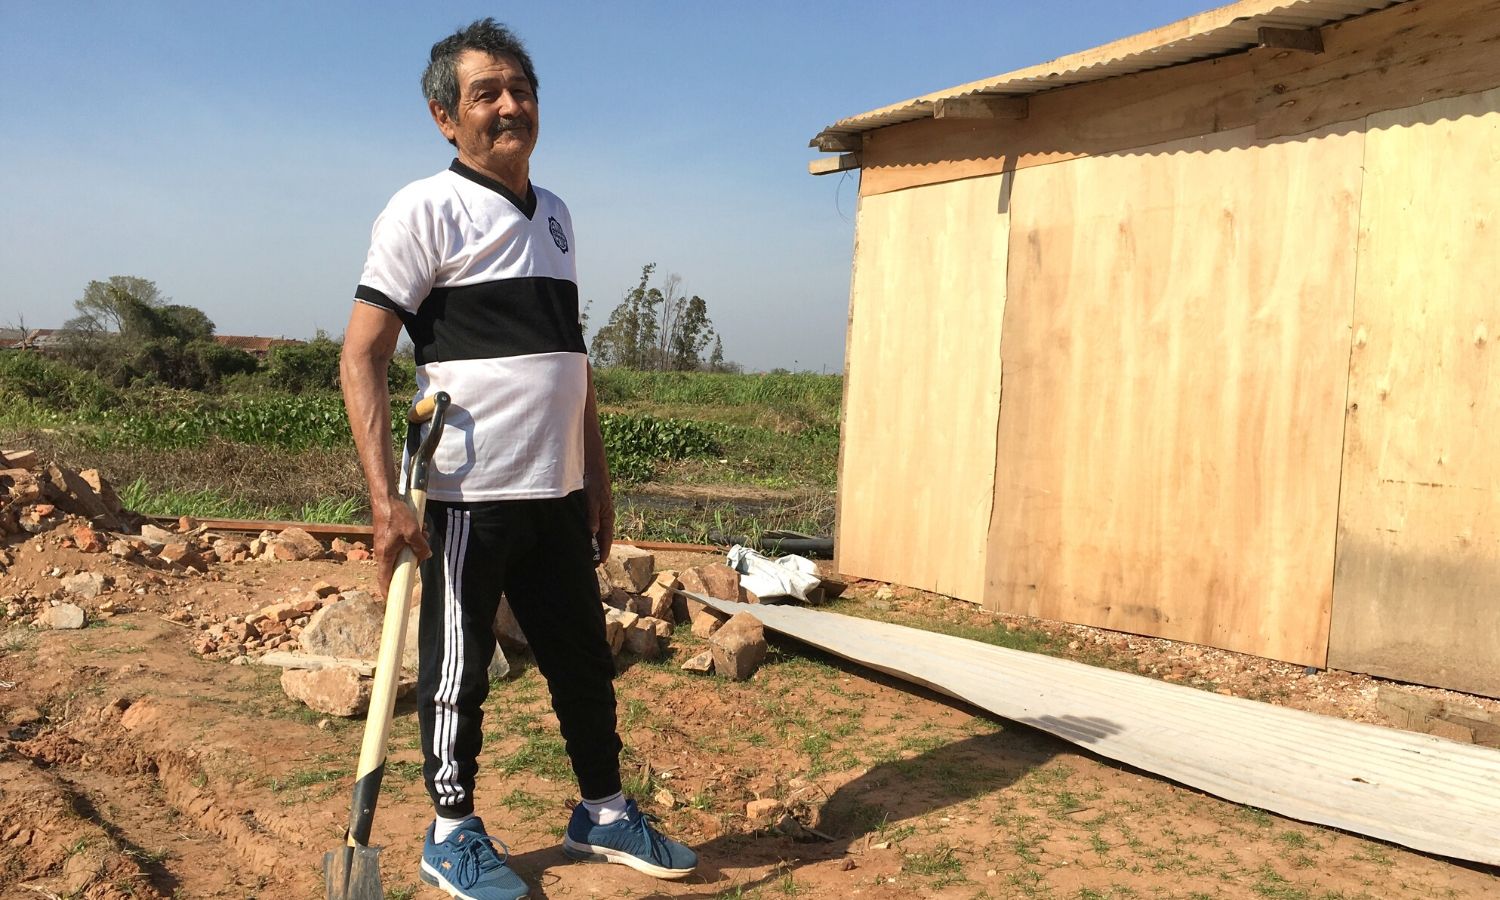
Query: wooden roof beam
(1305, 40)
(830, 164)
(836, 142)
(982, 107)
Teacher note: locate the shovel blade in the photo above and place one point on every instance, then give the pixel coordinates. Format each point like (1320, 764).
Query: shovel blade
(353, 873)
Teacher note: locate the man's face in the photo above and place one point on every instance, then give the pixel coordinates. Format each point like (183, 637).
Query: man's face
(496, 123)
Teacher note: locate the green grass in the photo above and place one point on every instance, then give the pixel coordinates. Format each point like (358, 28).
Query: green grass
(224, 455)
(542, 755)
(208, 503)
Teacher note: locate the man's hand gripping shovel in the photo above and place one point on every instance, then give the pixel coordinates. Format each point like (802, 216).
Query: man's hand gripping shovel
(352, 872)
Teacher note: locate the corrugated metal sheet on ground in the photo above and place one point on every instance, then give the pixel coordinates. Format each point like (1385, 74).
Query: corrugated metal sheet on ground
(1417, 790)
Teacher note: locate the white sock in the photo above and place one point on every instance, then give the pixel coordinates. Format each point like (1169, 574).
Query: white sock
(607, 811)
(443, 827)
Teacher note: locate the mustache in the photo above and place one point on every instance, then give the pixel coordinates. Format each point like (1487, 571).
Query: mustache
(516, 123)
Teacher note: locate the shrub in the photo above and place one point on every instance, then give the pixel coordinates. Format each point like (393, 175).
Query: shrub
(27, 376)
(635, 444)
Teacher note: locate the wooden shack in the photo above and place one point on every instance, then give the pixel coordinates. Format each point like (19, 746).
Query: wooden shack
(1190, 335)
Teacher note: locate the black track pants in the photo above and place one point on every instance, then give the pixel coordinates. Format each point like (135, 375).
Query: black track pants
(540, 554)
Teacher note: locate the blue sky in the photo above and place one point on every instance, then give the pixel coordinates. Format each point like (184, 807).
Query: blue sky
(236, 154)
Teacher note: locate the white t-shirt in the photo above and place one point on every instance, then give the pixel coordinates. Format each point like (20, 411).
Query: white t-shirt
(486, 285)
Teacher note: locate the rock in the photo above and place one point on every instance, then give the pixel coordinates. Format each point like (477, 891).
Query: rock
(507, 630)
(20, 459)
(604, 586)
(25, 488)
(294, 544)
(738, 646)
(324, 590)
(619, 599)
(716, 580)
(87, 539)
(702, 664)
(104, 490)
(61, 616)
(614, 630)
(336, 690)
(156, 537)
(349, 627)
(662, 595)
(121, 549)
(641, 639)
(763, 812)
(85, 584)
(630, 568)
(358, 555)
(276, 613)
(639, 604)
(706, 621)
(70, 491)
(182, 554)
(499, 665)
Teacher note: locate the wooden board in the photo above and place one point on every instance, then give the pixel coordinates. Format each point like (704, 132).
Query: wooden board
(1175, 362)
(1387, 60)
(1416, 790)
(1417, 590)
(922, 386)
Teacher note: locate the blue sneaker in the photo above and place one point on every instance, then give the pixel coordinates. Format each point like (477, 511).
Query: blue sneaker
(467, 865)
(631, 841)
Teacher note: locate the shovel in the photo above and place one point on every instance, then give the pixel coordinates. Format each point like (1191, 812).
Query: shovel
(352, 872)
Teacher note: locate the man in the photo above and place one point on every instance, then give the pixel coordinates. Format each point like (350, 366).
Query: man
(478, 265)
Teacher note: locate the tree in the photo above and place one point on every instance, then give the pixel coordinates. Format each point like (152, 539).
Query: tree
(629, 338)
(655, 328)
(691, 332)
(126, 332)
(106, 305)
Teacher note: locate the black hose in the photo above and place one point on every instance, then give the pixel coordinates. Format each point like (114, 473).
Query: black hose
(802, 546)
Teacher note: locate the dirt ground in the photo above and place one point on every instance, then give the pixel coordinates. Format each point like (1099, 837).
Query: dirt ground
(132, 767)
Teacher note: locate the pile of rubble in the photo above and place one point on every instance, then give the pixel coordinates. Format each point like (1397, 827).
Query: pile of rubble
(331, 638)
(326, 638)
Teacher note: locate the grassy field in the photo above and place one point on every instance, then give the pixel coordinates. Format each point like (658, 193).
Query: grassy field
(690, 452)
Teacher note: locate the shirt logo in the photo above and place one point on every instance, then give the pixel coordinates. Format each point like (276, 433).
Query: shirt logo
(558, 238)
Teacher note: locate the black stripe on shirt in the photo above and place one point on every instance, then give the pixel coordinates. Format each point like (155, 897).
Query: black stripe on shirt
(512, 317)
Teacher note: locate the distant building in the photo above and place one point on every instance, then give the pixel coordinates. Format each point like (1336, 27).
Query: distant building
(45, 340)
(257, 347)
(49, 340)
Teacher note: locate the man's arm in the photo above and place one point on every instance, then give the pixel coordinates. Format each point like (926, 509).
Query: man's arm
(596, 476)
(369, 344)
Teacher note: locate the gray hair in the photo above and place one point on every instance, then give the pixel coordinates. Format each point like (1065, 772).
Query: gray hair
(440, 80)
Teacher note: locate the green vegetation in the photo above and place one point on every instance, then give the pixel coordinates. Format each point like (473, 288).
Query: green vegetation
(141, 392)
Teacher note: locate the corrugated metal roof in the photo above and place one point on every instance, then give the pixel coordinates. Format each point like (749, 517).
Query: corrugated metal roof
(1218, 32)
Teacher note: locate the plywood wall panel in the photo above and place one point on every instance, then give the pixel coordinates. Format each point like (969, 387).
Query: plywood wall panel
(923, 386)
(1417, 589)
(1175, 363)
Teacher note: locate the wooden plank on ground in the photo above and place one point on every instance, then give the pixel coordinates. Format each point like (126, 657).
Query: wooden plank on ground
(1416, 790)
(1175, 363)
(923, 386)
(1417, 588)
